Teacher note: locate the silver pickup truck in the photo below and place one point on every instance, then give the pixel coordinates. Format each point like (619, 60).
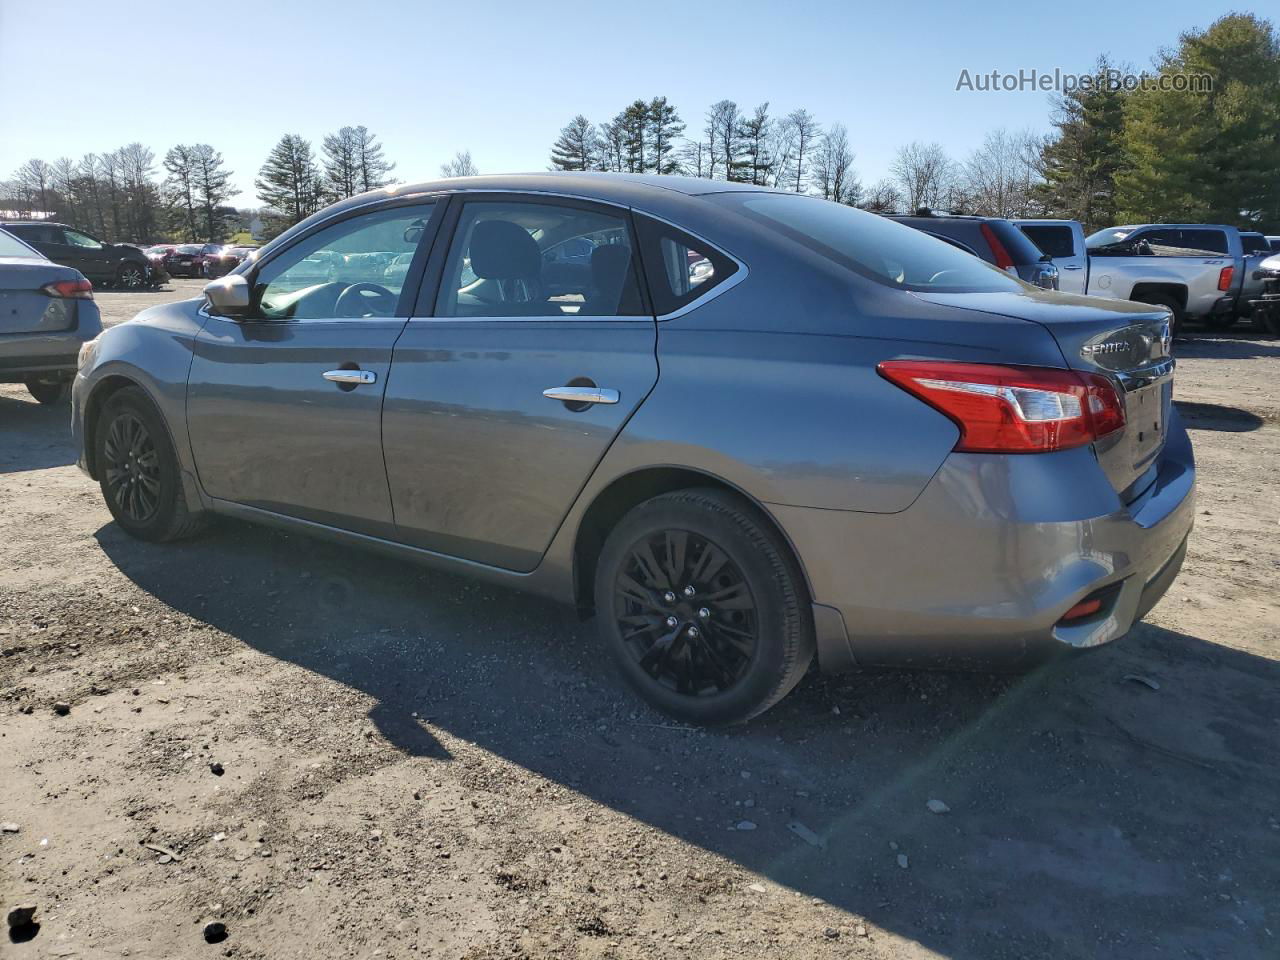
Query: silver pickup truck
(1196, 270)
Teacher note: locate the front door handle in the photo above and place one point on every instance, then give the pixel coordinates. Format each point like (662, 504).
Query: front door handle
(1072, 266)
(353, 377)
(583, 395)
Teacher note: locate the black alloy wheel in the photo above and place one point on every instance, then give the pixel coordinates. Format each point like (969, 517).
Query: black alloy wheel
(130, 276)
(703, 606)
(686, 613)
(131, 468)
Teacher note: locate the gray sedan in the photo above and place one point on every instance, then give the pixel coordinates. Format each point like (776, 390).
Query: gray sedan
(46, 314)
(756, 428)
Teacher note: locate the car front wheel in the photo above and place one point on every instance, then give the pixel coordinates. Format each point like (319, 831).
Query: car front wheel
(703, 607)
(138, 470)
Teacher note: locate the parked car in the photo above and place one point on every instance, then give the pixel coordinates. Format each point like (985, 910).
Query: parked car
(1266, 304)
(188, 259)
(225, 260)
(992, 239)
(47, 313)
(848, 437)
(398, 268)
(1063, 240)
(108, 264)
(1256, 249)
(1193, 269)
(1274, 243)
(155, 254)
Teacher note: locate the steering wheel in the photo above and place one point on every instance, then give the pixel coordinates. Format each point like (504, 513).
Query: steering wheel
(366, 300)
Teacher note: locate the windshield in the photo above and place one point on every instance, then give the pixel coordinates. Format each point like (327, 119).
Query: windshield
(11, 246)
(877, 248)
(187, 248)
(1106, 236)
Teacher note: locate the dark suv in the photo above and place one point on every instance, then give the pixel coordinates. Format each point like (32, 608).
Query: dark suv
(992, 239)
(106, 264)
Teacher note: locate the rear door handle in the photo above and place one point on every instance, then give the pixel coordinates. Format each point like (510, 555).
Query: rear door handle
(353, 377)
(582, 394)
(1072, 266)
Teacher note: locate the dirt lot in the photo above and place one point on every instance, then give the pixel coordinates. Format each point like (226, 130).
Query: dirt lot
(414, 765)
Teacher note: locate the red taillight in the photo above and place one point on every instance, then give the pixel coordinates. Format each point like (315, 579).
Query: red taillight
(80, 289)
(1225, 277)
(1003, 260)
(1007, 409)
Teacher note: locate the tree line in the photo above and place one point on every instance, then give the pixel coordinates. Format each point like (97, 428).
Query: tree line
(1114, 154)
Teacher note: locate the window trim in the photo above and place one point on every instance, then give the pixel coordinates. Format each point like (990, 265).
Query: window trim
(413, 277)
(428, 292)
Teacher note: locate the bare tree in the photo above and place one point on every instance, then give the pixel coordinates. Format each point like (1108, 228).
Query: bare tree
(695, 156)
(883, 197)
(1000, 176)
(800, 133)
(460, 166)
(35, 180)
(923, 173)
(723, 120)
(833, 174)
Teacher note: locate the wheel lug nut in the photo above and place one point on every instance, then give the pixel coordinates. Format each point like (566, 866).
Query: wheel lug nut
(689, 591)
(672, 622)
(693, 633)
(704, 613)
(669, 597)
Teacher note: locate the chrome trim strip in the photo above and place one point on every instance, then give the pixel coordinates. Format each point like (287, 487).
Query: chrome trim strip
(582, 394)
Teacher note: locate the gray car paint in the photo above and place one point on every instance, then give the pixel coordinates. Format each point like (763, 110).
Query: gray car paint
(768, 388)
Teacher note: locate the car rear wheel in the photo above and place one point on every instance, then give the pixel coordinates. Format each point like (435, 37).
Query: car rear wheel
(1175, 308)
(49, 390)
(703, 607)
(130, 276)
(138, 470)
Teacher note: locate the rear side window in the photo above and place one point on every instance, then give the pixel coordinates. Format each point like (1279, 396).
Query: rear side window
(1204, 241)
(1254, 244)
(38, 233)
(1178, 242)
(873, 246)
(679, 268)
(1056, 241)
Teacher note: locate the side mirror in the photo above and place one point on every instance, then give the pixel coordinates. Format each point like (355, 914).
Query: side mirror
(228, 296)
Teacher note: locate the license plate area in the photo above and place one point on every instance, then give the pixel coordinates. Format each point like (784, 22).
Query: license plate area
(1147, 416)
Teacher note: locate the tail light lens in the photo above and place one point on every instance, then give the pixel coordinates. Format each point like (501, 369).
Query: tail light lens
(80, 289)
(1225, 277)
(1003, 260)
(1008, 409)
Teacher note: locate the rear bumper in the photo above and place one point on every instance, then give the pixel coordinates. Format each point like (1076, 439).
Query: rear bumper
(982, 567)
(52, 353)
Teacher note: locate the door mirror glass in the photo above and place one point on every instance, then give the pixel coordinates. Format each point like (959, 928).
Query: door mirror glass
(228, 296)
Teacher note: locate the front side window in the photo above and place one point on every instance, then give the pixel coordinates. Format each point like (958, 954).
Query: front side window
(77, 239)
(873, 246)
(515, 259)
(341, 272)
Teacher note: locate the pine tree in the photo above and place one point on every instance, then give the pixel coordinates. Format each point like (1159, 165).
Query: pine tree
(372, 169)
(179, 189)
(340, 159)
(212, 189)
(1082, 159)
(1214, 156)
(756, 132)
(577, 147)
(665, 128)
(289, 182)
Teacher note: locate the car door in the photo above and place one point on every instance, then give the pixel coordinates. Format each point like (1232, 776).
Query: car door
(93, 258)
(1060, 241)
(284, 407)
(505, 391)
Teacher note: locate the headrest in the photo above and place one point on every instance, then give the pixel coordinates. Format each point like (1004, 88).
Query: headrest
(609, 265)
(502, 250)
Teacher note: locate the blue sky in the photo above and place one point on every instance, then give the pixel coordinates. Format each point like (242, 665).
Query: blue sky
(500, 79)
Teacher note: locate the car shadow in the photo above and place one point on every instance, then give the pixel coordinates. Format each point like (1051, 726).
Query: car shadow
(1213, 416)
(34, 436)
(1228, 345)
(1109, 804)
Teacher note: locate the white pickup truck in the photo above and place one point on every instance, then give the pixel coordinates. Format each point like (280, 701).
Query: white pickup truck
(1195, 269)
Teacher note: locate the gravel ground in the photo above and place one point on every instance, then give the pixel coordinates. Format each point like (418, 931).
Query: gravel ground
(340, 756)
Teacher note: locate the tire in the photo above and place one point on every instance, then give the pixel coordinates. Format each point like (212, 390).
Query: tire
(1163, 300)
(131, 276)
(49, 390)
(143, 492)
(742, 639)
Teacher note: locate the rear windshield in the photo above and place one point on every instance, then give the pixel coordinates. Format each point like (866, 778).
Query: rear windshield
(11, 246)
(880, 249)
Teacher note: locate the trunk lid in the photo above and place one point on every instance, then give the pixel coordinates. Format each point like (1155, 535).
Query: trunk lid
(23, 307)
(1127, 342)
